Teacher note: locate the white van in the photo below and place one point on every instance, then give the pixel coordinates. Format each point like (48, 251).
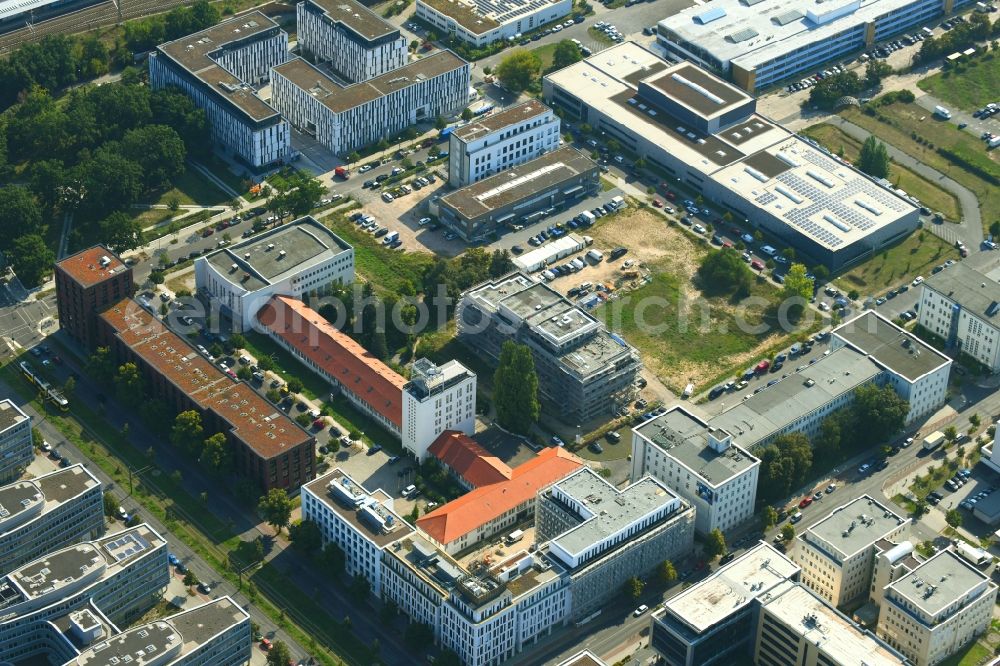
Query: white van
(768, 250)
(409, 490)
(595, 256)
(390, 237)
(514, 537)
(943, 112)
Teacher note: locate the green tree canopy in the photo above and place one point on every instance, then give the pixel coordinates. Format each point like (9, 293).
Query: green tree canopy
(723, 272)
(874, 158)
(788, 531)
(276, 508)
(566, 53)
(187, 429)
(158, 149)
(880, 410)
(826, 93)
(666, 572)
(121, 232)
(19, 212)
(633, 588)
(784, 465)
(129, 387)
(953, 518)
(519, 70)
(515, 388)
(715, 544)
(279, 654)
(32, 259)
(769, 517)
(306, 536)
(875, 71)
(214, 453)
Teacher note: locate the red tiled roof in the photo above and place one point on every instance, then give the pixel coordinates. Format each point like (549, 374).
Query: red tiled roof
(355, 368)
(465, 514)
(254, 421)
(85, 266)
(468, 459)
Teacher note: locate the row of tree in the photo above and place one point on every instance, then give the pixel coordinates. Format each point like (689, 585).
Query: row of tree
(975, 29)
(144, 34)
(53, 62)
(847, 84)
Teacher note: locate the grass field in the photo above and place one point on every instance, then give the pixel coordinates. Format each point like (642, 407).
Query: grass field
(970, 86)
(190, 189)
(905, 123)
(971, 655)
(930, 194)
(545, 54)
(915, 255)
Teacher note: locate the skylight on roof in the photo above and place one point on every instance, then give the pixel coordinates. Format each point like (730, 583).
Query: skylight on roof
(710, 15)
(787, 17)
(743, 35)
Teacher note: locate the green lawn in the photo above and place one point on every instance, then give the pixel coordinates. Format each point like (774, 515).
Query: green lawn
(599, 36)
(545, 54)
(915, 255)
(902, 124)
(190, 189)
(287, 179)
(970, 86)
(972, 655)
(930, 194)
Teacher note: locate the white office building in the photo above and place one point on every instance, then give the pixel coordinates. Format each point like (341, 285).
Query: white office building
(482, 22)
(359, 522)
(917, 371)
(701, 464)
(961, 304)
(837, 554)
(760, 42)
(935, 610)
(220, 69)
(355, 41)
(16, 447)
(298, 258)
(346, 118)
(499, 141)
(119, 577)
(48, 512)
(437, 398)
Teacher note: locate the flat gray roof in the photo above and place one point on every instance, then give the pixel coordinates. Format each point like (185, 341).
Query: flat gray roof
(10, 414)
(356, 17)
(66, 483)
(752, 575)
(15, 500)
(891, 346)
(519, 182)
(853, 527)
(776, 407)
(304, 242)
(512, 115)
(685, 438)
(614, 510)
(938, 583)
(352, 502)
(194, 52)
(339, 98)
(692, 87)
(976, 292)
(198, 625)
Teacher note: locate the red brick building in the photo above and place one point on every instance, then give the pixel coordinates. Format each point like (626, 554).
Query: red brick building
(86, 283)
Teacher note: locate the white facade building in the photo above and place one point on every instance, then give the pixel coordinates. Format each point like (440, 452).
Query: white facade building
(437, 398)
(16, 448)
(837, 554)
(701, 464)
(513, 136)
(917, 371)
(355, 41)
(219, 68)
(291, 260)
(344, 119)
(961, 304)
(359, 522)
(932, 612)
(48, 512)
(482, 22)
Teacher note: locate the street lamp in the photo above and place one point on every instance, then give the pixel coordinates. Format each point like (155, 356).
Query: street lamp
(135, 472)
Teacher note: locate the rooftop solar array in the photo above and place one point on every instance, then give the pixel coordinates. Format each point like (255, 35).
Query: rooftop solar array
(507, 10)
(126, 546)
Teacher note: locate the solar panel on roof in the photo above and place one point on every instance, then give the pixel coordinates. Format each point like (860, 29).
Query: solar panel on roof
(743, 35)
(712, 14)
(750, 3)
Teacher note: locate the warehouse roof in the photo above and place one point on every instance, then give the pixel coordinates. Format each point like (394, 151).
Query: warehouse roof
(512, 115)
(519, 182)
(340, 98)
(977, 293)
(93, 265)
(356, 17)
(890, 346)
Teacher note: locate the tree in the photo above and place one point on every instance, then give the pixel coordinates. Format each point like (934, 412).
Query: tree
(723, 272)
(214, 453)
(467, 114)
(109, 181)
(515, 388)
(797, 286)
(784, 465)
(874, 158)
(633, 588)
(129, 385)
(69, 386)
(566, 53)
(519, 70)
(788, 532)
(306, 536)
(279, 655)
(950, 433)
(953, 518)
(332, 559)
(715, 544)
(295, 385)
(121, 231)
(19, 212)
(276, 508)
(31, 257)
(881, 410)
(975, 420)
(100, 365)
(440, 123)
(187, 429)
(46, 178)
(666, 572)
(875, 71)
(826, 93)
(769, 516)
(111, 505)
(159, 150)
(418, 636)
(360, 588)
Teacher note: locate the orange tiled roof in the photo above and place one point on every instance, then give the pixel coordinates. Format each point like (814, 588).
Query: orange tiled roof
(85, 266)
(355, 368)
(255, 421)
(468, 459)
(465, 514)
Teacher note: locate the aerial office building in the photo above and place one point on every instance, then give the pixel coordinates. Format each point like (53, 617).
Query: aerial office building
(48, 512)
(602, 535)
(961, 304)
(701, 464)
(838, 553)
(762, 42)
(583, 369)
(346, 118)
(16, 447)
(86, 283)
(437, 398)
(482, 22)
(705, 133)
(355, 41)
(220, 68)
(500, 141)
(121, 575)
(294, 259)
